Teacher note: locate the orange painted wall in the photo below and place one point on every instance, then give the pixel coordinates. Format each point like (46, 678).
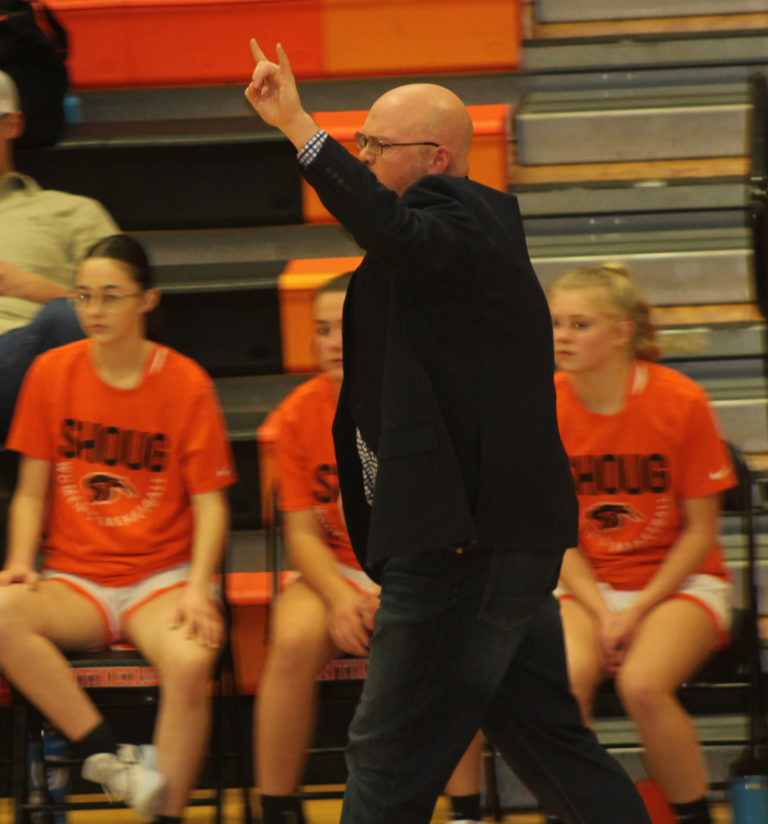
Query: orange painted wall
(184, 42)
(170, 42)
(419, 36)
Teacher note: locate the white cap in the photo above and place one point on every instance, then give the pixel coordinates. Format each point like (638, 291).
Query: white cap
(9, 95)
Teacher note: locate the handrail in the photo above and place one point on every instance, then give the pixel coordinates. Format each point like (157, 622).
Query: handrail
(758, 187)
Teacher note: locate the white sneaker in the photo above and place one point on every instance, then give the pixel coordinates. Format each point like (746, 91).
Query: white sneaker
(147, 755)
(125, 777)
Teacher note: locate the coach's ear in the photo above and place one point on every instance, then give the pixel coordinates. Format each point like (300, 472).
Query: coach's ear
(441, 160)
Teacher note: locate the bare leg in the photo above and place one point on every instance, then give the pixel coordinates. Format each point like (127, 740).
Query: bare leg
(670, 645)
(585, 672)
(286, 704)
(465, 779)
(183, 719)
(34, 626)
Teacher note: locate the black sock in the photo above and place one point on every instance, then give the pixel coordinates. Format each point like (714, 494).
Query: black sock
(281, 809)
(167, 819)
(466, 807)
(693, 812)
(99, 739)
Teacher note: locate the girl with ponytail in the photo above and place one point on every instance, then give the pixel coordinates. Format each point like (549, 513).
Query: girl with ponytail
(645, 597)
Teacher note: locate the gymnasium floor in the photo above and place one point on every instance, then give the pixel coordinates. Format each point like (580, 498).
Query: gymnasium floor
(317, 812)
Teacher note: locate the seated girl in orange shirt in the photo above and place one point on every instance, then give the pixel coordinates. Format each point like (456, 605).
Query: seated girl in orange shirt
(645, 598)
(122, 482)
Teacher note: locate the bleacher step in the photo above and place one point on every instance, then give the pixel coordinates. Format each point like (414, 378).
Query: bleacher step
(618, 737)
(644, 196)
(577, 126)
(744, 421)
(721, 341)
(232, 247)
(670, 266)
(633, 51)
(246, 402)
(227, 101)
(176, 173)
(561, 11)
(741, 400)
(665, 263)
(634, 171)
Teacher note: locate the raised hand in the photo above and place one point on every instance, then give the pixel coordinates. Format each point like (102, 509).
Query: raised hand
(273, 94)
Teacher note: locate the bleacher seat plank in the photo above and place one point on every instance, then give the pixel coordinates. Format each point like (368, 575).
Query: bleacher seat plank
(637, 52)
(637, 170)
(247, 401)
(616, 197)
(705, 315)
(614, 25)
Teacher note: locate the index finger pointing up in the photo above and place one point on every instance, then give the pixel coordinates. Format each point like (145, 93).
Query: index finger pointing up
(256, 51)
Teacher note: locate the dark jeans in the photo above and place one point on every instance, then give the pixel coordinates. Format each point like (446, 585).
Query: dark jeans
(453, 651)
(54, 325)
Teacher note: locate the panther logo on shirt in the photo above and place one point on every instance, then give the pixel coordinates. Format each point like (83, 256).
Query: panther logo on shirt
(103, 488)
(611, 516)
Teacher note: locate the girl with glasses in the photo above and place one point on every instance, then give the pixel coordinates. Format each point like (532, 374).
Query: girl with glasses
(124, 465)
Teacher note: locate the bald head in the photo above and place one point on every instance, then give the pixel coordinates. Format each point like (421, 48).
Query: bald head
(426, 111)
(424, 129)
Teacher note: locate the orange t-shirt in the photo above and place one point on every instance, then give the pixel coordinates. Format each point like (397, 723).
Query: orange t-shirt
(306, 461)
(633, 471)
(124, 461)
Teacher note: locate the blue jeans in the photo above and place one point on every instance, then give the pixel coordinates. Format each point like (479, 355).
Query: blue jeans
(456, 649)
(54, 325)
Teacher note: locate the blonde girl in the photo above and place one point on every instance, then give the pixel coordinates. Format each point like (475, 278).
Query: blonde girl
(645, 597)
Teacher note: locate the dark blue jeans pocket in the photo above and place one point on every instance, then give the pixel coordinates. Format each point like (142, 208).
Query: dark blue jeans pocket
(517, 581)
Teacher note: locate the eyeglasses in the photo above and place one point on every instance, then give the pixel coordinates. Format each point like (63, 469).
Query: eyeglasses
(107, 301)
(376, 146)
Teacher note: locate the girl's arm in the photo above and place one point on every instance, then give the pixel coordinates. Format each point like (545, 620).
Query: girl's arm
(197, 611)
(25, 522)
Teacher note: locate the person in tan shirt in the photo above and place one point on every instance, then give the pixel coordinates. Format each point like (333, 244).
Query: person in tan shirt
(43, 236)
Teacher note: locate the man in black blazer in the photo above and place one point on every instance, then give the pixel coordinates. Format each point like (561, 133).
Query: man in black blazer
(456, 489)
